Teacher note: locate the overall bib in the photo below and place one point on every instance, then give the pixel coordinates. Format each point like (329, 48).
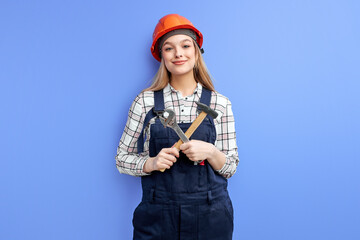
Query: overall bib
(186, 201)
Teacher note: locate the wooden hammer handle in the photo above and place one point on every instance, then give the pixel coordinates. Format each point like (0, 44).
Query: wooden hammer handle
(192, 128)
(190, 131)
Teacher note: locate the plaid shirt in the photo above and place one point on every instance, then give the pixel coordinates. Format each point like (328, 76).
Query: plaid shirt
(128, 161)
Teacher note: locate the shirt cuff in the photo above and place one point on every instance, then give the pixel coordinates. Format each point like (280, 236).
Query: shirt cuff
(221, 170)
(141, 166)
(224, 168)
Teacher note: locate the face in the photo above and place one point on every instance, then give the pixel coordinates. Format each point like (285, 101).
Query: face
(178, 52)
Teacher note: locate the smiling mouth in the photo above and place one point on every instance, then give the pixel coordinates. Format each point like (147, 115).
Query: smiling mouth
(179, 62)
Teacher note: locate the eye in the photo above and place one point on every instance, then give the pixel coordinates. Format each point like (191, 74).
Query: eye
(186, 46)
(168, 49)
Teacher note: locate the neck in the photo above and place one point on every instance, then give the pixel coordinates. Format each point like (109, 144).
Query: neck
(185, 83)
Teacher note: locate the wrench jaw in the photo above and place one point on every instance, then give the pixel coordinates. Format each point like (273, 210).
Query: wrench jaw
(167, 118)
(162, 120)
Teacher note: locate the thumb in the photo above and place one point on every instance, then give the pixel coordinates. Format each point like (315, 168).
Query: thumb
(184, 146)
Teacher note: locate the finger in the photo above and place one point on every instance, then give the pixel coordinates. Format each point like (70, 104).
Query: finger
(170, 157)
(176, 146)
(190, 156)
(169, 163)
(166, 156)
(184, 146)
(165, 164)
(188, 151)
(172, 151)
(176, 152)
(193, 157)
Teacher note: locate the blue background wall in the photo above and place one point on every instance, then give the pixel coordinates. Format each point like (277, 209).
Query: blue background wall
(69, 71)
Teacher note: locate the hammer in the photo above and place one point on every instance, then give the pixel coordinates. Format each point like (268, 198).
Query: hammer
(205, 110)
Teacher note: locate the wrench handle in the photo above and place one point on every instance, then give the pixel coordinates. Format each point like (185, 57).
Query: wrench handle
(180, 133)
(192, 128)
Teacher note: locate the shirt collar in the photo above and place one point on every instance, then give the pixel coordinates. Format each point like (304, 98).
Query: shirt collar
(169, 89)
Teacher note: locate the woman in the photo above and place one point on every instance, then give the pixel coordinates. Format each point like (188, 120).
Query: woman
(187, 200)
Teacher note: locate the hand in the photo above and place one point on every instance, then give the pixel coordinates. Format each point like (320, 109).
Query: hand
(197, 150)
(164, 160)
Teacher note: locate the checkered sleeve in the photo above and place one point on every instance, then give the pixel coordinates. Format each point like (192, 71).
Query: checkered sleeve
(128, 161)
(226, 140)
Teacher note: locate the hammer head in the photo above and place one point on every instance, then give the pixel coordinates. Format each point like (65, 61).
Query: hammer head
(205, 108)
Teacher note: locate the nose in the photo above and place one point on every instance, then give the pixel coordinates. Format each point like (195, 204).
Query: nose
(178, 52)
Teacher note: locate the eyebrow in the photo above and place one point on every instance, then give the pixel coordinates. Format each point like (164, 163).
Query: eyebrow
(180, 41)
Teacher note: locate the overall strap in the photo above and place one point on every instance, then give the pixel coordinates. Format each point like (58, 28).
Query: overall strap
(159, 105)
(205, 99)
(205, 96)
(154, 112)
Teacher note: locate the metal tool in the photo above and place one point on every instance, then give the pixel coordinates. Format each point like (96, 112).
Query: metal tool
(168, 119)
(205, 110)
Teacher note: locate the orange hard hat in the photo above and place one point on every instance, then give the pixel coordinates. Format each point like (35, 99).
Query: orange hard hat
(168, 23)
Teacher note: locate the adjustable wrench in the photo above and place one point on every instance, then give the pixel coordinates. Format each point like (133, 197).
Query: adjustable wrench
(168, 119)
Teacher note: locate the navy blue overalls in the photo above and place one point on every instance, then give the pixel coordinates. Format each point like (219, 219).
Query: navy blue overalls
(186, 201)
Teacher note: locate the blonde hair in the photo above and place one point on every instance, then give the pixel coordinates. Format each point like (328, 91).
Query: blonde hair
(201, 74)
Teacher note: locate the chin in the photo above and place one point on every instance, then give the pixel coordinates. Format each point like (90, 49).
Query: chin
(179, 73)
